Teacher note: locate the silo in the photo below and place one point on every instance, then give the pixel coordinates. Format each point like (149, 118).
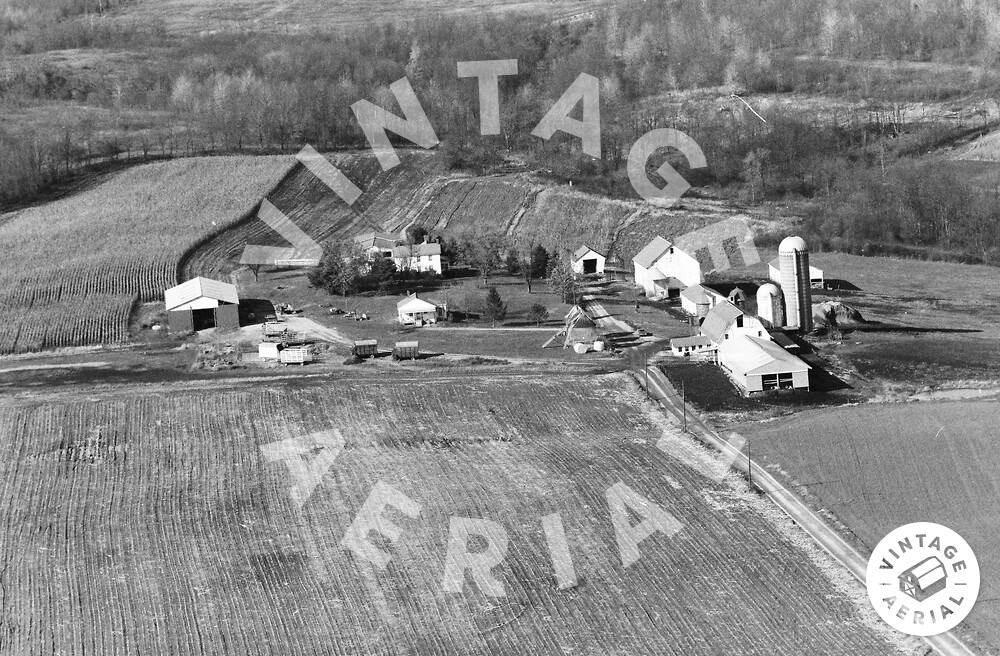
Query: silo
(771, 305)
(793, 263)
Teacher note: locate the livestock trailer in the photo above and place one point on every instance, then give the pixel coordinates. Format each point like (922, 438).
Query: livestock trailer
(297, 355)
(365, 348)
(406, 350)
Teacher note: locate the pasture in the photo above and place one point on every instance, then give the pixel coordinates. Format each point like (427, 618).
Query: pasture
(149, 520)
(75, 267)
(876, 467)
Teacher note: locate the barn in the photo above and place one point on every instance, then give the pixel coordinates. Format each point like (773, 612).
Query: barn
(758, 365)
(202, 303)
(661, 267)
(924, 579)
(587, 262)
(697, 300)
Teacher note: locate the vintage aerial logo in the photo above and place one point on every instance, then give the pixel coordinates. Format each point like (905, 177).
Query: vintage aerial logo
(923, 579)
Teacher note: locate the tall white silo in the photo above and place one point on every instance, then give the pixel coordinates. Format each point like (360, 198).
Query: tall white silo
(771, 305)
(793, 263)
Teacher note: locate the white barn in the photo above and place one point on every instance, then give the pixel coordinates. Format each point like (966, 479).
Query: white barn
(202, 303)
(726, 322)
(661, 266)
(586, 261)
(759, 365)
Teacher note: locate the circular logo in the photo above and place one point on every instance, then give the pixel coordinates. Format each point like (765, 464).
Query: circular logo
(923, 579)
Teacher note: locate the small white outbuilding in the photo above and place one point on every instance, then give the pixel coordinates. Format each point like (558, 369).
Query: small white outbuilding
(413, 311)
(586, 261)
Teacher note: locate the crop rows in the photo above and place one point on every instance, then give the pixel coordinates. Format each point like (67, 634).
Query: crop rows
(103, 248)
(150, 523)
(465, 206)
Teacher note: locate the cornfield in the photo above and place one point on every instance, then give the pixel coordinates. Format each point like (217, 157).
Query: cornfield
(74, 268)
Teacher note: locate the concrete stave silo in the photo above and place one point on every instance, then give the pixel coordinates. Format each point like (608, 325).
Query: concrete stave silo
(793, 264)
(771, 305)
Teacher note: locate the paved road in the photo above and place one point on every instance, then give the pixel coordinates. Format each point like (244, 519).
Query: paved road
(661, 389)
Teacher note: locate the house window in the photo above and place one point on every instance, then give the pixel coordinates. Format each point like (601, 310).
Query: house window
(739, 321)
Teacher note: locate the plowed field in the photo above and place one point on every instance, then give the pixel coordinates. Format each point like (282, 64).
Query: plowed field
(150, 522)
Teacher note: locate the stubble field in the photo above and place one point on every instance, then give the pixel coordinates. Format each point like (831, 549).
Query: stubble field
(149, 522)
(878, 466)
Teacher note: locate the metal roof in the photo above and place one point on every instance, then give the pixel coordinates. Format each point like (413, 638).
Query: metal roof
(413, 304)
(583, 250)
(754, 356)
(719, 319)
(699, 293)
(653, 251)
(200, 287)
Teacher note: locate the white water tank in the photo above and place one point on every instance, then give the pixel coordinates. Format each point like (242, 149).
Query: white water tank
(793, 264)
(771, 305)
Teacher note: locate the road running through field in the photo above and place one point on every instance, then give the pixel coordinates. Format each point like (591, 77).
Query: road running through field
(660, 389)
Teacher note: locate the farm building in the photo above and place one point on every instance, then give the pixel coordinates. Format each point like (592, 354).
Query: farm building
(924, 579)
(816, 277)
(758, 365)
(202, 303)
(661, 267)
(376, 243)
(406, 351)
(725, 322)
(413, 311)
(697, 300)
(686, 346)
(419, 257)
(737, 297)
(586, 261)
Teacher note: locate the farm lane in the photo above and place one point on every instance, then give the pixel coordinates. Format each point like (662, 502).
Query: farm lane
(946, 644)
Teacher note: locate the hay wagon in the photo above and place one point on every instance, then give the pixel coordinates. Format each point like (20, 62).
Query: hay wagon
(297, 355)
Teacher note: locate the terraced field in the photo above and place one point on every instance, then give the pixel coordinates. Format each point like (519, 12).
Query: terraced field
(878, 466)
(158, 520)
(74, 268)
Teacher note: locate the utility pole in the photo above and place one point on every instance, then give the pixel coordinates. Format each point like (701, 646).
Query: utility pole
(645, 371)
(684, 407)
(749, 465)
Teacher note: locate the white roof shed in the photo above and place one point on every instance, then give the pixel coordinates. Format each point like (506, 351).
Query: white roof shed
(199, 294)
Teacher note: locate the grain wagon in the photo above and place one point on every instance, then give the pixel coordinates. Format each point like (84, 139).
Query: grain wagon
(406, 350)
(365, 348)
(297, 355)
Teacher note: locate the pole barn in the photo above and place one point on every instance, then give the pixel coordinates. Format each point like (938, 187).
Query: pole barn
(202, 303)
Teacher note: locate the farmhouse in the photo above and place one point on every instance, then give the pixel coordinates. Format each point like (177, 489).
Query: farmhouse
(202, 303)
(661, 267)
(697, 300)
(586, 261)
(756, 364)
(816, 278)
(418, 257)
(413, 311)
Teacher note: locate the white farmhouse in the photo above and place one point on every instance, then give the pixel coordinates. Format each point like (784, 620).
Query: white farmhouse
(413, 311)
(586, 261)
(418, 257)
(661, 267)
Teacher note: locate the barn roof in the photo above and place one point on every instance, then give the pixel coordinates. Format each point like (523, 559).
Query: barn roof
(381, 240)
(698, 293)
(413, 304)
(753, 356)
(200, 287)
(719, 319)
(583, 250)
(653, 251)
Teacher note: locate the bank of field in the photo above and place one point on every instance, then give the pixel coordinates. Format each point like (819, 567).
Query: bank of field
(880, 466)
(150, 523)
(74, 268)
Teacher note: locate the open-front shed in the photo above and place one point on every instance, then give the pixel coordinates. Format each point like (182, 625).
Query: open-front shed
(202, 303)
